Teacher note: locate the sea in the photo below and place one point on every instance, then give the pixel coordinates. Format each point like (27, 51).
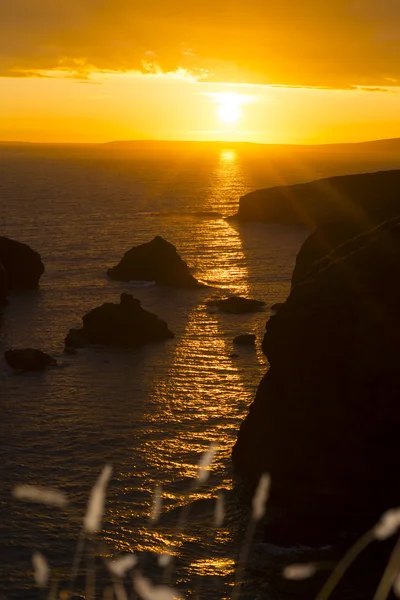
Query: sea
(149, 412)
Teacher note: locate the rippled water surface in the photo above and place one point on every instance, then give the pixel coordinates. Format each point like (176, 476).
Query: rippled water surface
(148, 412)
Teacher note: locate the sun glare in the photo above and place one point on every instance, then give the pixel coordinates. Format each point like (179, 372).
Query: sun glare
(229, 111)
(229, 106)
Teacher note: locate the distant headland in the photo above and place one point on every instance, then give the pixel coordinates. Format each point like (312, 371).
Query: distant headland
(383, 145)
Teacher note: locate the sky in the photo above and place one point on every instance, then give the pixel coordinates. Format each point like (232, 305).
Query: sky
(293, 71)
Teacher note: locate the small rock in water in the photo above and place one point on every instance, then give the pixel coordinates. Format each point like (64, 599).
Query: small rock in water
(246, 339)
(237, 305)
(28, 359)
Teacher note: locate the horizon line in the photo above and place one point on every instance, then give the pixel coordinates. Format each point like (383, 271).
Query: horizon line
(211, 142)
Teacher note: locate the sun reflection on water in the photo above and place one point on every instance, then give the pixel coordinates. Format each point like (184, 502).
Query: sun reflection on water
(228, 155)
(201, 397)
(213, 566)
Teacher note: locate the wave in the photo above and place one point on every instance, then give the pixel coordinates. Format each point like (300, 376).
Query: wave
(141, 284)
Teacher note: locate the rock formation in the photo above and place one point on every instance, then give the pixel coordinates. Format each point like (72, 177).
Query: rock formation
(326, 416)
(28, 359)
(237, 305)
(369, 198)
(156, 261)
(22, 265)
(125, 325)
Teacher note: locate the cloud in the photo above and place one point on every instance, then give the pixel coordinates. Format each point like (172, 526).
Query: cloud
(375, 89)
(335, 43)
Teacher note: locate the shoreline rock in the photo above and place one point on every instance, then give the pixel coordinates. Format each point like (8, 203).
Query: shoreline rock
(22, 265)
(125, 325)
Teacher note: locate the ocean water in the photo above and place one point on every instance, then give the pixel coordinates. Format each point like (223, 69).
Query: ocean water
(149, 412)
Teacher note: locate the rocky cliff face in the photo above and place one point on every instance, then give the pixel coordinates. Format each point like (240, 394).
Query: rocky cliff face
(326, 418)
(324, 240)
(368, 197)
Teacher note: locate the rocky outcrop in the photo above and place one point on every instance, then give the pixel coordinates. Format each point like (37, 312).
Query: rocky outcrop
(326, 416)
(28, 359)
(123, 325)
(245, 339)
(368, 198)
(23, 265)
(237, 305)
(156, 261)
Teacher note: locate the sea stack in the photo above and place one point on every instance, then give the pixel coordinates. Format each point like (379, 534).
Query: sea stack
(125, 325)
(156, 261)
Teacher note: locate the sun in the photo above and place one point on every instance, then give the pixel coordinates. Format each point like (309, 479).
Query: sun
(229, 111)
(229, 107)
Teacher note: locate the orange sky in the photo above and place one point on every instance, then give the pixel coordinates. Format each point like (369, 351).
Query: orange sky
(297, 71)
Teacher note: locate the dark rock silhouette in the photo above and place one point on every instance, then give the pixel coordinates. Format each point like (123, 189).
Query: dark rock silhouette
(275, 307)
(23, 265)
(326, 416)
(321, 242)
(156, 261)
(368, 198)
(246, 339)
(70, 349)
(28, 359)
(125, 325)
(237, 305)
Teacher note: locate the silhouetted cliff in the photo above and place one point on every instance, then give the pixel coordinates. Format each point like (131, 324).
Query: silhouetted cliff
(326, 416)
(367, 197)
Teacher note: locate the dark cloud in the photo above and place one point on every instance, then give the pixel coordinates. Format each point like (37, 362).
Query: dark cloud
(330, 43)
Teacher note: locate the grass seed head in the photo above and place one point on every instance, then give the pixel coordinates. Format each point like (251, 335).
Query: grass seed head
(41, 569)
(95, 508)
(261, 496)
(157, 504)
(299, 571)
(164, 560)
(388, 524)
(43, 495)
(205, 461)
(120, 566)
